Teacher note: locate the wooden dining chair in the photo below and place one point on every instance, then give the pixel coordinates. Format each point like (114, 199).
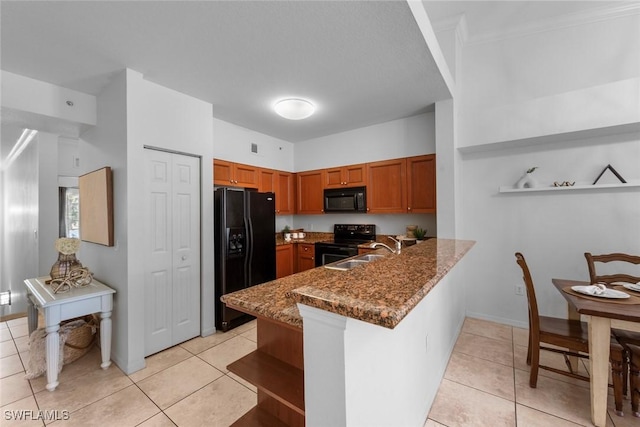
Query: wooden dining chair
(629, 340)
(571, 336)
(594, 277)
(634, 378)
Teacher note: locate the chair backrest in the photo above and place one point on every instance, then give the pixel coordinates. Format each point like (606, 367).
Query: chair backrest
(534, 321)
(594, 277)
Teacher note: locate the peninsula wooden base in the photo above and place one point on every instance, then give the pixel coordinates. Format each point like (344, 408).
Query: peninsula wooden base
(276, 368)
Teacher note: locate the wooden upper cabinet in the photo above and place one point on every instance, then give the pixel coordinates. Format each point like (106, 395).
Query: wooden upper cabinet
(222, 172)
(235, 174)
(267, 180)
(346, 176)
(310, 192)
(421, 184)
(387, 188)
(284, 187)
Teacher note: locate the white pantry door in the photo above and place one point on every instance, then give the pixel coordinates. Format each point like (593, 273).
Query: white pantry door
(172, 263)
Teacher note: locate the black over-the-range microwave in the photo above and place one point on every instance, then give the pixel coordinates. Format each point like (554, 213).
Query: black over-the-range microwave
(345, 200)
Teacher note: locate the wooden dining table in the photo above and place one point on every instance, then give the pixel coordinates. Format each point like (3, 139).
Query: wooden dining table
(601, 315)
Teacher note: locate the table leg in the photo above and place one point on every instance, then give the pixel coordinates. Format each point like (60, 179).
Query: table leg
(53, 355)
(599, 342)
(32, 314)
(573, 315)
(105, 338)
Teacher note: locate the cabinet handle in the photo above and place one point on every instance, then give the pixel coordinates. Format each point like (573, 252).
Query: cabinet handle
(409, 208)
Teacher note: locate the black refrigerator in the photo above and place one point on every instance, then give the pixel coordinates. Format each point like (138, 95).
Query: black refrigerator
(245, 247)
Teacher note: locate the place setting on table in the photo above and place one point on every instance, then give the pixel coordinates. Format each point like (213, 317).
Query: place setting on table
(615, 292)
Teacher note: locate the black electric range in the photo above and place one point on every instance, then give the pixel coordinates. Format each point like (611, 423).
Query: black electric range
(346, 238)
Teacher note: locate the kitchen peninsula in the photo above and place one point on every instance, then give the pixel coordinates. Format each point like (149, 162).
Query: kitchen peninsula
(367, 346)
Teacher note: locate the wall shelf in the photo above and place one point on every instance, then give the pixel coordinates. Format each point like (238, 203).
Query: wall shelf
(558, 138)
(511, 189)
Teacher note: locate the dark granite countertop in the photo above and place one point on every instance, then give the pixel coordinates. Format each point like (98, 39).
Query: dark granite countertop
(381, 292)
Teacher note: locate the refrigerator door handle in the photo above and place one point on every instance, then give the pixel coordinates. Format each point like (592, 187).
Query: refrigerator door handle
(248, 260)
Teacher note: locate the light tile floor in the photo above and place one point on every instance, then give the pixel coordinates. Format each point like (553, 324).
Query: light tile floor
(485, 384)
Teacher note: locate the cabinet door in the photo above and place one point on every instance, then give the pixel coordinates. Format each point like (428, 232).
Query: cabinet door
(267, 179)
(346, 176)
(355, 175)
(421, 184)
(246, 176)
(386, 192)
(223, 173)
(306, 257)
(284, 260)
(285, 193)
(333, 178)
(310, 192)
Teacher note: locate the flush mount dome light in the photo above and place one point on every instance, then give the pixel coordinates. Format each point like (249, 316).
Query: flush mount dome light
(294, 108)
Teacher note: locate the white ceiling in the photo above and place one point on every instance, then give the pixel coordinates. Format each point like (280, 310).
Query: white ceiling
(361, 62)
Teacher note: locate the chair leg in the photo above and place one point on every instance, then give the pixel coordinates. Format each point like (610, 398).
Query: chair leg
(626, 360)
(617, 378)
(535, 363)
(635, 384)
(529, 350)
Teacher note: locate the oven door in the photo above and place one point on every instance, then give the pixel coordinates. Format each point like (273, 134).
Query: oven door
(326, 253)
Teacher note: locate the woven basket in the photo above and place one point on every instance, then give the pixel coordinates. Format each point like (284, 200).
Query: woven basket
(80, 339)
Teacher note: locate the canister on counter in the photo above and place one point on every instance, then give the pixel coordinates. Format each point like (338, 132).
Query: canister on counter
(410, 229)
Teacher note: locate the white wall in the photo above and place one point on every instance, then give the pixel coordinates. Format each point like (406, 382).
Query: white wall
(233, 143)
(551, 229)
(553, 69)
(412, 136)
(20, 243)
(408, 137)
(134, 113)
(48, 212)
(567, 79)
(106, 145)
(163, 118)
(47, 100)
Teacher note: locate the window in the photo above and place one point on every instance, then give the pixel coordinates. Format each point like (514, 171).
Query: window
(69, 212)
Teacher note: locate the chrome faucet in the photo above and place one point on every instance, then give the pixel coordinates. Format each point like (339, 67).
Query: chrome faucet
(396, 251)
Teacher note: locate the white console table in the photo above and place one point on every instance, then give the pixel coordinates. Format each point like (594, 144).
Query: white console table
(93, 298)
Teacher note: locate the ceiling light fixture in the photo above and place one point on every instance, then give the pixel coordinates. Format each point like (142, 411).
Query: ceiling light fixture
(294, 108)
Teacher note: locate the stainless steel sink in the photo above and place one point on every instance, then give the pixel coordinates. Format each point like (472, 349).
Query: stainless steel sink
(350, 263)
(369, 257)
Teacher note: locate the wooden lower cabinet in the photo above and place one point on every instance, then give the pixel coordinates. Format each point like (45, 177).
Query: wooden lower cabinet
(284, 260)
(306, 259)
(276, 368)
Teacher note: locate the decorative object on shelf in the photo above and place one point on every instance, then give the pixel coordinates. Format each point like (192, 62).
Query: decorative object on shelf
(564, 184)
(527, 181)
(76, 278)
(419, 233)
(410, 230)
(609, 167)
(67, 261)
